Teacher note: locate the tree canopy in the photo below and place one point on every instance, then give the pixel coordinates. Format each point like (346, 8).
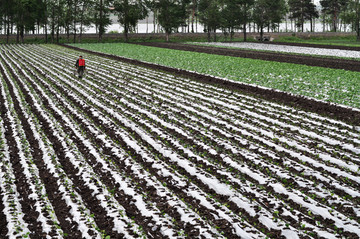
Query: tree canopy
(302, 10)
(172, 14)
(73, 17)
(129, 13)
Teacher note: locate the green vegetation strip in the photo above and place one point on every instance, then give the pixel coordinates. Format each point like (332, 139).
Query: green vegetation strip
(337, 86)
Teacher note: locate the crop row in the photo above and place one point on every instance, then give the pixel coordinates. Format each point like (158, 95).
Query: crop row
(129, 151)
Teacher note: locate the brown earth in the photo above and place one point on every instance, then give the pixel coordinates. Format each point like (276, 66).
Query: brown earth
(330, 110)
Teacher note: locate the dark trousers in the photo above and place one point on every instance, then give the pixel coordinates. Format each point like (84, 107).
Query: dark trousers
(81, 70)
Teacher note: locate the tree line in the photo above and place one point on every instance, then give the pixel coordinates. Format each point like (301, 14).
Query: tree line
(73, 17)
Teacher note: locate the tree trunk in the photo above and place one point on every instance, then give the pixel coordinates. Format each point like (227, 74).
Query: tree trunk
(46, 35)
(8, 31)
(154, 21)
(357, 23)
(215, 35)
(314, 24)
(17, 36)
(245, 21)
(196, 24)
(45, 26)
(74, 24)
(22, 34)
(74, 39)
(302, 26)
(126, 29)
(101, 24)
(193, 17)
(52, 34)
(68, 34)
(167, 36)
(57, 35)
(81, 29)
(335, 21)
(245, 36)
(208, 34)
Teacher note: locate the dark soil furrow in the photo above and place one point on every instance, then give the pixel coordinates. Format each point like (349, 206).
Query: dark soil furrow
(30, 216)
(189, 104)
(93, 106)
(221, 177)
(270, 126)
(165, 159)
(122, 198)
(204, 211)
(219, 148)
(260, 110)
(238, 114)
(147, 166)
(293, 184)
(280, 154)
(143, 99)
(103, 221)
(201, 151)
(335, 153)
(3, 223)
(288, 118)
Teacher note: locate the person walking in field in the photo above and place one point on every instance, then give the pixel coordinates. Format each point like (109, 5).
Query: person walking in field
(80, 65)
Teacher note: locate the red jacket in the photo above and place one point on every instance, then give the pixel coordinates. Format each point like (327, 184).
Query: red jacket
(81, 62)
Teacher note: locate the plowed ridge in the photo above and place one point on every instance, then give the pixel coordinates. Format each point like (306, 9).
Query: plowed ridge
(128, 152)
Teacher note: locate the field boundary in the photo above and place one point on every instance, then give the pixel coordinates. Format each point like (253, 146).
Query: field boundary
(331, 110)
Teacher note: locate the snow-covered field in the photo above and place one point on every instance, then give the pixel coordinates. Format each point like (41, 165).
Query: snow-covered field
(128, 152)
(290, 49)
